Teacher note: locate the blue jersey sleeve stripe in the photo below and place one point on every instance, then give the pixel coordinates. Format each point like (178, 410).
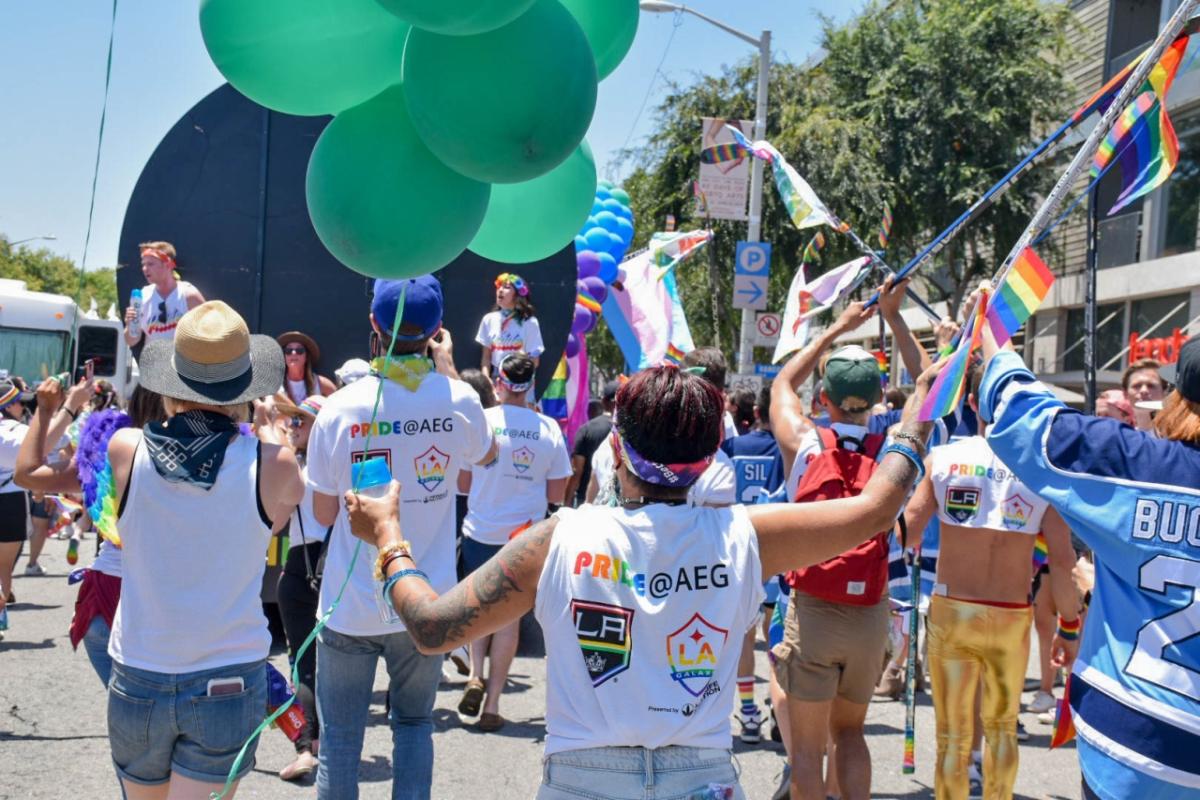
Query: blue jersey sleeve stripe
(1150, 738)
(1105, 448)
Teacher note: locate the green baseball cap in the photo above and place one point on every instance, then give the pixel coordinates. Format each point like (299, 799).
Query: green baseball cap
(852, 379)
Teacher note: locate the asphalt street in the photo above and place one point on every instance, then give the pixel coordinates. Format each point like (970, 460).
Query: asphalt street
(53, 741)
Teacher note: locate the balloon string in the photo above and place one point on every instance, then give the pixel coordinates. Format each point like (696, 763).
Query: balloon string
(324, 618)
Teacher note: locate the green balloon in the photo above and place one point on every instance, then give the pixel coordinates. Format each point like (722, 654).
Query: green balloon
(505, 106)
(604, 184)
(534, 220)
(610, 26)
(307, 57)
(379, 200)
(620, 195)
(457, 17)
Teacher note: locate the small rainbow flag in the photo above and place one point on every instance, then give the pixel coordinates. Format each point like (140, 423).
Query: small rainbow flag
(1144, 141)
(554, 399)
(588, 302)
(1064, 726)
(674, 355)
(881, 359)
(1041, 552)
(722, 153)
(813, 249)
(947, 391)
(885, 226)
(1019, 295)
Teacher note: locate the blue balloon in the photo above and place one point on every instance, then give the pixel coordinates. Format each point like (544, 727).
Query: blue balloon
(625, 231)
(581, 244)
(598, 240)
(625, 213)
(608, 268)
(597, 207)
(603, 194)
(613, 205)
(608, 221)
(618, 247)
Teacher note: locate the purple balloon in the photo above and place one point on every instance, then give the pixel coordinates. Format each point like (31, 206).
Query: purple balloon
(583, 318)
(588, 263)
(608, 268)
(572, 346)
(595, 288)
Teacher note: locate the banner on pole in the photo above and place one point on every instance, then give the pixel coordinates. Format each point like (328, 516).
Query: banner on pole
(725, 186)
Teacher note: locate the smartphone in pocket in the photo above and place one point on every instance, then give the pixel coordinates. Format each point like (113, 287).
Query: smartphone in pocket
(222, 686)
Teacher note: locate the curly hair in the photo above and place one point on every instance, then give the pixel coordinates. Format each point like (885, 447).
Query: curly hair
(670, 416)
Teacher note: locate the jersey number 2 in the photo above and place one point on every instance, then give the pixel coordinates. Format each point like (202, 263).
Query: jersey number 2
(1147, 661)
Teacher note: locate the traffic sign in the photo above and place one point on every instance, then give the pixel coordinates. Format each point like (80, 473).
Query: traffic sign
(751, 270)
(766, 326)
(767, 370)
(744, 380)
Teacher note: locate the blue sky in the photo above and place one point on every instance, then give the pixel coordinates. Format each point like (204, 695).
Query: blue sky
(52, 54)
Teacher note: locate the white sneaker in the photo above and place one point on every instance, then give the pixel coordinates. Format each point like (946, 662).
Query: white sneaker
(1042, 701)
(751, 727)
(34, 570)
(1047, 717)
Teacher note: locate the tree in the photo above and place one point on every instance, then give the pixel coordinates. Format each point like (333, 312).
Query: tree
(43, 271)
(922, 103)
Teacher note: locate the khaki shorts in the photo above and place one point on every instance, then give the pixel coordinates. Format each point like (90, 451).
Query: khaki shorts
(831, 650)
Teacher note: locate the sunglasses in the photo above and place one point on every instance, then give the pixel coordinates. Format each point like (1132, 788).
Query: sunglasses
(294, 350)
(162, 312)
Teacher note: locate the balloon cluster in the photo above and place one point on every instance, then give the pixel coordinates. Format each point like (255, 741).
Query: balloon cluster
(599, 248)
(457, 123)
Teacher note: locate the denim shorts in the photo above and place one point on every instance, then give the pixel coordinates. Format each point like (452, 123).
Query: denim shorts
(636, 773)
(161, 723)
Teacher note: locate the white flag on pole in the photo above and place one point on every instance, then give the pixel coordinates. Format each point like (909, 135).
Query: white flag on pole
(804, 300)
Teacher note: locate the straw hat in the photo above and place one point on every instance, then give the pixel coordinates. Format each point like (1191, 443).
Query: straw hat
(212, 359)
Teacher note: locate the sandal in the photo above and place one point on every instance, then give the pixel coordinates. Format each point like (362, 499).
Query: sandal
(304, 764)
(472, 698)
(489, 722)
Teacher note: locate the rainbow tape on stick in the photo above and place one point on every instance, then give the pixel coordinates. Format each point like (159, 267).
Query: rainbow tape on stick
(1018, 295)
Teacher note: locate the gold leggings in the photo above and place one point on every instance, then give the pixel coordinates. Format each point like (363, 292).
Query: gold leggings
(968, 641)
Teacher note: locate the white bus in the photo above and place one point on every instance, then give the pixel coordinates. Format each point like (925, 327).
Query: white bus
(46, 334)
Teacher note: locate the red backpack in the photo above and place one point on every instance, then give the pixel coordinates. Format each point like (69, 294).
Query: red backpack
(857, 577)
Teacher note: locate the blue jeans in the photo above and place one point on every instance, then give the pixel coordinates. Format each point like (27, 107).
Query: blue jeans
(635, 773)
(95, 643)
(160, 723)
(345, 676)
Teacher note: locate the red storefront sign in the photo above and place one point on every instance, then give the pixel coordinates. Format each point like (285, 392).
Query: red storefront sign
(1165, 350)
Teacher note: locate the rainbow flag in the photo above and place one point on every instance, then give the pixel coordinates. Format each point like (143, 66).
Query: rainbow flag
(578, 393)
(1144, 142)
(813, 249)
(588, 302)
(947, 391)
(722, 153)
(674, 355)
(885, 368)
(805, 209)
(1041, 551)
(554, 399)
(1064, 726)
(1019, 295)
(885, 226)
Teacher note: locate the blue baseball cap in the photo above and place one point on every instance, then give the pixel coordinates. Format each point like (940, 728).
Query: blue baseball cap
(422, 305)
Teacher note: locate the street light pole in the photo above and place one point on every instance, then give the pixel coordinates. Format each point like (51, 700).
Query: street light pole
(48, 238)
(754, 232)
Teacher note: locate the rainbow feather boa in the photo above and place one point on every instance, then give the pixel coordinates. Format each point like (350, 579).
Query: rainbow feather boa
(95, 472)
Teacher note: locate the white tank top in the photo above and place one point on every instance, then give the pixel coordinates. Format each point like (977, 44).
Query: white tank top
(975, 490)
(159, 323)
(643, 613)
(192, 564)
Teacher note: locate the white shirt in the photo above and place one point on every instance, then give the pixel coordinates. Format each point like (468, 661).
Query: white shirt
(602, 472)
(717, 485)
(511, 491)
(729, 426)
(426, 435)
(810, 445)
(176, 306)
(12, 433)
(509, 335)
(643, 612)
(108, 560)
(304, 528)
(974, 489)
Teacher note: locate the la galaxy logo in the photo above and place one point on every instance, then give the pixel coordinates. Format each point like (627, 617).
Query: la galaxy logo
(962, 502)
(692, 653)
(431, 468)
(1016, 512)
(605, 636)
(522, 459)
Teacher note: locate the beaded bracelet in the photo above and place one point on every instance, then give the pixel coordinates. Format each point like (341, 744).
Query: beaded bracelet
(1069, 631)
(917, 442)
(910, 454)
(396, 576)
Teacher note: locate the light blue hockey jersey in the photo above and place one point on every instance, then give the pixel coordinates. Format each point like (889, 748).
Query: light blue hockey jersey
(1135, 500)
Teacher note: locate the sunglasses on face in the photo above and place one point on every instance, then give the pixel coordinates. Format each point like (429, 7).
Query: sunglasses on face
(294, 350)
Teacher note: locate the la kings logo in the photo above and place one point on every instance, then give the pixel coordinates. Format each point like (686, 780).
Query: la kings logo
(605, 637)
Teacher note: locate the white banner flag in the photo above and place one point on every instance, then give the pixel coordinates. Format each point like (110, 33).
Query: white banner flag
(724, 187)
(805, 300)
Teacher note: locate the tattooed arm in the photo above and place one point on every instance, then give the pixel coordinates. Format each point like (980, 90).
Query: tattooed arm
(496, 594)
(795, 535)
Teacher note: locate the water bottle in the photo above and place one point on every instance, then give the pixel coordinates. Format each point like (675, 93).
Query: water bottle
(291, 722)
(135, 302)
(370, 478)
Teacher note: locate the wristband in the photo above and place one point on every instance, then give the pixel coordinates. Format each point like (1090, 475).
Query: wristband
(1069, 631)
(393, 550)
(394, 578)
(74, 415)
(910, 454)
(917, 441)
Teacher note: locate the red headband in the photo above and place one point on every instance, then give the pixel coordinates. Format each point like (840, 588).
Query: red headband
(161, 255)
